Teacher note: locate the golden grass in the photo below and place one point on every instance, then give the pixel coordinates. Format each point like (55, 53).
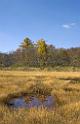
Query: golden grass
(65, 92)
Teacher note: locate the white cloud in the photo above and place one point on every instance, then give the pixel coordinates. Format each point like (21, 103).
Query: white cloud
(68, 26)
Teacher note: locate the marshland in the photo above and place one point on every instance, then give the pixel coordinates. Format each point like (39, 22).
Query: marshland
(64, 87)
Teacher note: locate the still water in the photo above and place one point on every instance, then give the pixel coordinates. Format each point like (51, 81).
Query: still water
(20, 102)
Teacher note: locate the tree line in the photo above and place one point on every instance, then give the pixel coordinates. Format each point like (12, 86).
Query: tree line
(40, 54)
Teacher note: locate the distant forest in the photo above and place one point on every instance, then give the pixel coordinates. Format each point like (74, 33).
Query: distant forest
(40, 55)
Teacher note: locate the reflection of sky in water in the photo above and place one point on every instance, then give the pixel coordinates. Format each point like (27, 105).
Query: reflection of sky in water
(34, 102)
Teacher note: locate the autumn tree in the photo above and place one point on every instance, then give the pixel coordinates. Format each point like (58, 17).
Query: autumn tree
(42, 51)
(26, 43)
(29, 53)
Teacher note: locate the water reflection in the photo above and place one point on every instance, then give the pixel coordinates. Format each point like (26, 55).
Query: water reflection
(22, 102)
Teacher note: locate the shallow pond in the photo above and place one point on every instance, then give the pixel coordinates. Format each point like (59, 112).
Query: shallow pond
(29, 102)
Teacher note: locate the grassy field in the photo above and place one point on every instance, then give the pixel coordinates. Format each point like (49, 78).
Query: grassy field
(63, 86)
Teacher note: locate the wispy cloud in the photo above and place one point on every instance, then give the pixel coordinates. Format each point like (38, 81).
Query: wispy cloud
(72, 24)
(68, 26)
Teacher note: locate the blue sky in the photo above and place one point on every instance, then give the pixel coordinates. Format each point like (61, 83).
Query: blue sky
(57, 21)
